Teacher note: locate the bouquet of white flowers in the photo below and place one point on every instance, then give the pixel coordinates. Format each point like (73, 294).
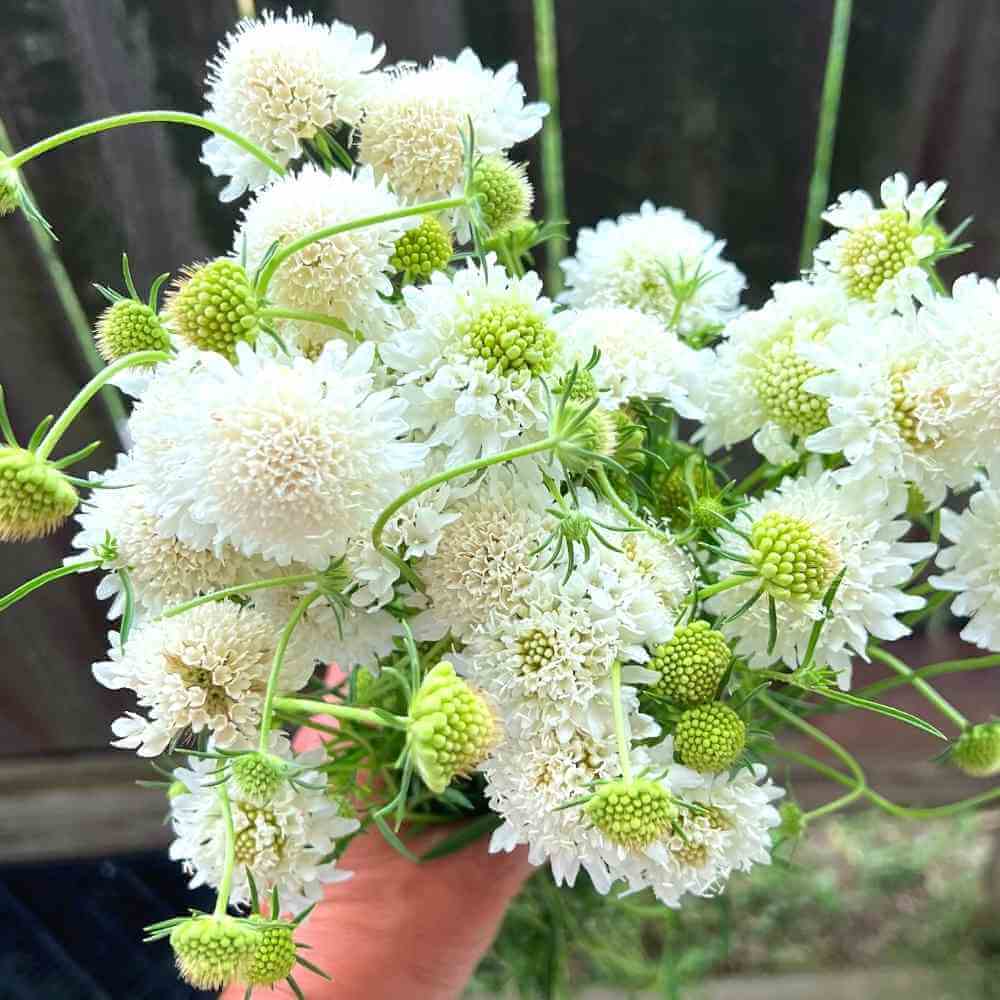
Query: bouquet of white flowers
(366, 437)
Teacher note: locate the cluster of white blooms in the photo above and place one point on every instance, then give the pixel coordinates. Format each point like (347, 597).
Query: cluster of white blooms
(368, 438)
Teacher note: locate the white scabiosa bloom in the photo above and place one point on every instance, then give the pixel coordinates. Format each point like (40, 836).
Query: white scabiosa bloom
(801, 536)
(754, 382)
(203, 671)
(972, 566)
(342, 276)
(639, 357)
(659, 262)
(414, 120)
(118, 525)
(285, 844)
(283, 460)
(879, 254)
(482, 562)
(278, 81)
(470, 357)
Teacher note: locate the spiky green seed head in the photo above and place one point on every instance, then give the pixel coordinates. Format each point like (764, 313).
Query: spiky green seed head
(504, 192)
(691, 664)
(423, 250)
(594, 438)
(258, 776)
(977, 751)
(673, 500)
(631, 438)
(510, 338)
(213, 307)
(633, 815)
(212, 952)
(778, 384)
(576, 527)
(876, 252)
(709, 737)
(583, 388)
(708, 513)
(452, 728)
(10, 188)
(795, 561)
(273, 955)
(793, 821)
(128, 326)
(35, 497)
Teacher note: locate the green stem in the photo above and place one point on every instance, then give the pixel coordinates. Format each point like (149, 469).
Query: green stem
(717, 588)
(859, 782)
(307, 317)
(308, 707)
(623, 508)
(553, 183)
(763, 471)
(84, 396)
(267, 713)
(43, 578)
(281, 255)
(142, 118)
(70, 302)
(941, 703)
(887, 805)
(624, 758)
(819, 185)
(229, 866)
(932, 670)
(239, 588)
(443, 477)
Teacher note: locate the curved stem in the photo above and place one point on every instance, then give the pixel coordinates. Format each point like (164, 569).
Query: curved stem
(281, 255)
(229, 865)
(941, 703)
(932, 670)
(717, 588)
(267, 713)
(43, 578)
(273, 312)
(443, 477)
(308, 707)
(84, 396)
(142, 118)
(860, 783)
(239, 588)
(819, 185)
(623, 508)
(624, 757)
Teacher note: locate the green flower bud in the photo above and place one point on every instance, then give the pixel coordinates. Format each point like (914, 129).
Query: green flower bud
(576, 527)
(596, 436)
(793, 821)
(673, 500)
(212, 952)
(35, 497)
(633, 815)
(451, 730)
(273, 955)
(977, 751)
(691, 664)
(877, 252)
(213, 307)
(423, 250)
(583, 389)
(128, 326)
(258, 776)
(778, 385)
(709, 737)
(795, 562)
(504, 191)
(511, 338)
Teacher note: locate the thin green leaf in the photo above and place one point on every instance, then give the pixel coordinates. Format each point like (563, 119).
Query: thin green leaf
(40, 431)
(5, 425)
(315, 969)
(392, 838)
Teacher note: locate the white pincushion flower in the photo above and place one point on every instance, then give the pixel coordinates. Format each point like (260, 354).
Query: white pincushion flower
(285, 844)
(972, 565)
(879, 255)
(414, 120)
(343, 276)
(753, 382)
(659, 262)
(470, 358)
(830, 528)
(118, 525)
(912, 398)
(283, 460)
(205, 671)
(639, 357)
(278, 81)
(482, 562)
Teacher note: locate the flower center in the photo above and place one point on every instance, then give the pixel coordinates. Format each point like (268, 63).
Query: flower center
(510, 338)
(249, 841)
(778, 384)
(876, 253)
(633, 815)
(217, 700)
(794, 561)
(535, 651)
